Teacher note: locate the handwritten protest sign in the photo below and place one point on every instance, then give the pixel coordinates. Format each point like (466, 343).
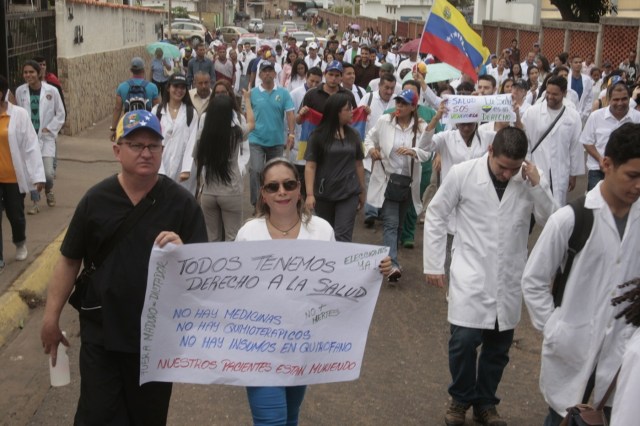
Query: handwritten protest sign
(264, 313)
(476, 109)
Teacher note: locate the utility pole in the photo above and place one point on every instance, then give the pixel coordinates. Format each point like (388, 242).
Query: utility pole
(169, 32)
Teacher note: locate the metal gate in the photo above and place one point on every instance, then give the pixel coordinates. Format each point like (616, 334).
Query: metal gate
(28, 34)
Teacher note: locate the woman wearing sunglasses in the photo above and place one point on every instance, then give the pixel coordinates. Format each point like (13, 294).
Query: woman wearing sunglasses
(282, 215)
(217, 166)
(334, 174)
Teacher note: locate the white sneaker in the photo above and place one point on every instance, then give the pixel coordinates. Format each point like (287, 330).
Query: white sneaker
(21, 252)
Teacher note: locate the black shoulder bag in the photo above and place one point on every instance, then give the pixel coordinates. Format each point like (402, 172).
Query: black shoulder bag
(399, 185)
(544, 135)
(84, 281)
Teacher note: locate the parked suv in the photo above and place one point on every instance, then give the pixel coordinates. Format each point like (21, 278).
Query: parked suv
(187, 30)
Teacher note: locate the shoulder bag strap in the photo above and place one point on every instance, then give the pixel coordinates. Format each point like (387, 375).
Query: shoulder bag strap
(610, 389)
(132, 218)
(544, 135)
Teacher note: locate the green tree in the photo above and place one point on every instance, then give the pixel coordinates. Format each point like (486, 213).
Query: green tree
(584, 10)
(180, 12)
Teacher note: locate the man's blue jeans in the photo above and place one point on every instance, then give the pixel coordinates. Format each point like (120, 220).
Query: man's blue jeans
(275, 405)
(475, 380)
(258, 156)
(593, 177)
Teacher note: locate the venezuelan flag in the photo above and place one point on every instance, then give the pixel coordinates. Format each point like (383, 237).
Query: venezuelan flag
(449, 38)
(312, 119)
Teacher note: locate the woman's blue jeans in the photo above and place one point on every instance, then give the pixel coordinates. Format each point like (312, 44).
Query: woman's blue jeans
(275, 405)
(393, 213)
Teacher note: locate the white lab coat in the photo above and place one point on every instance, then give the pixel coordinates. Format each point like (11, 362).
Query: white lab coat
(581, 332)
(490, 247)
(626, 410)
(586, 101)
(454, 150)
(179, 142)
(52, 115)
(560, 155)
(25, 149)
(381, 136)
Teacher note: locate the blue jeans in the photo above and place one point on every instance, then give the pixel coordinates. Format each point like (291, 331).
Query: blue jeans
(475, 380)
(593, 177)
(13, 204)
(48, 175)
(393, 214)
(258, 156)
(275, 405)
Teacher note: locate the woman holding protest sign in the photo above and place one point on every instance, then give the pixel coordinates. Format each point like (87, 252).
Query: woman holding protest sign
(281, 214)
(334, 174)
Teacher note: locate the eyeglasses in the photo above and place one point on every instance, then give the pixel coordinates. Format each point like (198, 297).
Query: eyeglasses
(139, 147)
(273, 187)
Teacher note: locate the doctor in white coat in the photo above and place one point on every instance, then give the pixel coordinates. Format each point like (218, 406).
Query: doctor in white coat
(45, 106)
(23, 172)
(576, 77)
(560, 154)
(179, 133)
(582, 333)
(493, 198)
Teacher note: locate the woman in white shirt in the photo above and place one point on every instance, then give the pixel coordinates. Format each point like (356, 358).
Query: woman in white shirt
(179, 122)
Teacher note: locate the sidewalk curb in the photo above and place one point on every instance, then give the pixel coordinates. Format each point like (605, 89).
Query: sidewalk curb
(29, 288)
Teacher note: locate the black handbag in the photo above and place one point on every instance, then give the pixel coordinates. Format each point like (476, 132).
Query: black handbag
(399, 186)
(586, 415)
(86, 296)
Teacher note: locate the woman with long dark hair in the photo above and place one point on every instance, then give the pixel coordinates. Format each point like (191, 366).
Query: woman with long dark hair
(334, 174)
(287, 68)
(516, 72)
(298, 74)
(179, 121)
(217, 169)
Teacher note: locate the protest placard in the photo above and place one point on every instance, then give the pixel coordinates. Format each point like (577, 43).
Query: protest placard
(263, 313)
(477, 109)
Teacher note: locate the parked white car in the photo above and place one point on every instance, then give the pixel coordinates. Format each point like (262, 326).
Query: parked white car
(256, 25)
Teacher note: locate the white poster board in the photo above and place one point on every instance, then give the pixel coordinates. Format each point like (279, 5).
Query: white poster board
(477, 109)
(264, 313)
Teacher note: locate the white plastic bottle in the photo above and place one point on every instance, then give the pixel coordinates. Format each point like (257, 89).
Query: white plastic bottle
(59, 374)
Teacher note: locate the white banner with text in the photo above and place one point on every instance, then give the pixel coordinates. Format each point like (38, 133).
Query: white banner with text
(477, 109)
(263, 313)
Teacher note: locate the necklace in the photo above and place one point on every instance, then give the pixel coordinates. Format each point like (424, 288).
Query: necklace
(284, 233)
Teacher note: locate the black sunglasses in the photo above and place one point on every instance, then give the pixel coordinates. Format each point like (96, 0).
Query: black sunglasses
(288, 185)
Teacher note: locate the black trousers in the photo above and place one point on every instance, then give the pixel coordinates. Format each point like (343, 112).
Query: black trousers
(110, 393)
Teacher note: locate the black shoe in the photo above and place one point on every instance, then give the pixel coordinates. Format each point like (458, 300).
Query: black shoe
(395, 275)
(369, 222)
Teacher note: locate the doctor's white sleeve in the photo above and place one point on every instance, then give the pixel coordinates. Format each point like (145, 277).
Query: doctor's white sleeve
(436, 220)
(545, 258)
(187, 158)
(626, 409)
(58, 121)
(544, 203)
(576, 152)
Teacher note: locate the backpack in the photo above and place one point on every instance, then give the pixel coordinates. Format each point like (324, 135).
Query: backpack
(579, 236)
(136, 98)
(189, 113)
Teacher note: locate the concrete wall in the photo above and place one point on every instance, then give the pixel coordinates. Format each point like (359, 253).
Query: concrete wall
(91, 68)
